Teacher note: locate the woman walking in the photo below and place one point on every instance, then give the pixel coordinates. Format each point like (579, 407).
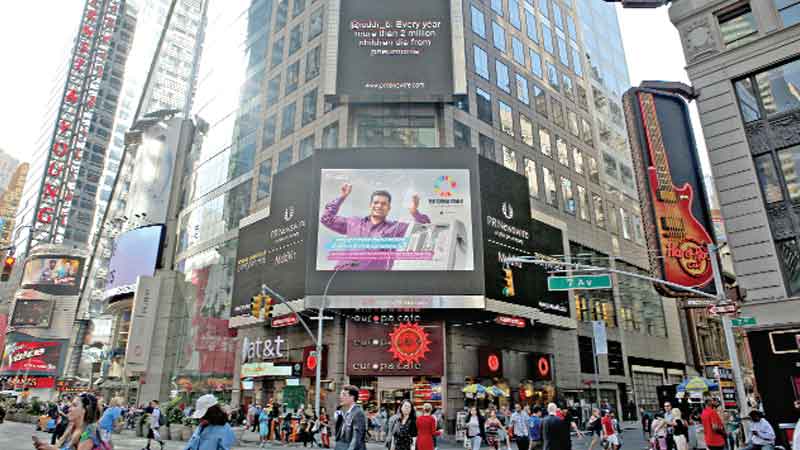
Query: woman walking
(324, 429)
(404, 429)
(213, 433)
(680, 431)
(426, 428)
(263, 427)
(476, 431)
(82, 433)
(493, 428)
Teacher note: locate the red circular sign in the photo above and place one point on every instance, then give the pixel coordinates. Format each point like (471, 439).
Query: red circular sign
(544, 366)
(493, 361)
(311, 362)
(409, 343)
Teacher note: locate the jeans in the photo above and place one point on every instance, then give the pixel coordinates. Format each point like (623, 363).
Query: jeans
(476, 442)
(522, 442)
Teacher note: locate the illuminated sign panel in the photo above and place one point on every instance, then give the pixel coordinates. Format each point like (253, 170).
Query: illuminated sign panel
(74, 118)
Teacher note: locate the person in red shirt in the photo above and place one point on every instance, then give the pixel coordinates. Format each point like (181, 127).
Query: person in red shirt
(713, 429)
(609, 433)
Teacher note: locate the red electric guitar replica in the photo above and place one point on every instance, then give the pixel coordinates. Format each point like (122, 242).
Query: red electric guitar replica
(684, 240)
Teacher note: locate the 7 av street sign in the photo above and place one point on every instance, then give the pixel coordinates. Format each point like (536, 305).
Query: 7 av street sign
(579, 282)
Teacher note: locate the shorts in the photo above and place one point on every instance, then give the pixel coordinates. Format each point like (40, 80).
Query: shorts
(152, 433)
(263, 429)
(613, 440)
(105, 435)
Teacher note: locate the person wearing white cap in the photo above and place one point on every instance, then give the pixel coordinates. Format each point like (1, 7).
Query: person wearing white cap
(214, 433)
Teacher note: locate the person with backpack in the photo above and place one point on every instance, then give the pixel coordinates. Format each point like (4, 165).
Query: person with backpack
(157, 420)
(214, 432)
(83, 433)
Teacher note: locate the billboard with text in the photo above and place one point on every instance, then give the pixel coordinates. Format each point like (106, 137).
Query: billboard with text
(53, 274)
(392, 50)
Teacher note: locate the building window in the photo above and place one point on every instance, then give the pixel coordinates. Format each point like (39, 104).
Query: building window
(309, 107)
(583, 203)
(625, 223)
(789, 255)
(613, 219)
(481, 62)
(461, 135)
(530, 26)
(518, 51)
(330, 136)
(549, 187)
(626, 174)
(567, 195)
(306, 147)
(768, 178)
(501, 71)
(586, 354)
(540, 100)
(737, 27)
(268, 136)
(562, 152)
(563, 51)
(558, 112)
(284, 159)
(552, 76)
(295, 39)
(315, 24)
(586, 131)
(292, 77)
(484, 102)
(396, 132)
(544, 142)
(486, 146)
(790, 168)
(572, 123)
(513, 14)
(497, 6)
(281, 15)
(616, 363)
(594, 171)
(287, 121)
(264, 179)
(642, 306)
(571, 28)
(577, 160)
(533, 179)
(526, 130)
(566, 81)
(299, 6)
(748, 102)
(312, 64)
(558, 20)
(789, 10)
(478, 22)
(506, 118)
(522, 89)
(498, 36)
(509, 158)
(277, 53)
(599, 211)
(610, 164)
(780, 88)
(273, 91)
(536, 63)
(577, 62)
(547, 36)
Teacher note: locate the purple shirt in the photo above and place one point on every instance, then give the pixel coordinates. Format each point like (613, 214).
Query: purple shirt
(363, 227)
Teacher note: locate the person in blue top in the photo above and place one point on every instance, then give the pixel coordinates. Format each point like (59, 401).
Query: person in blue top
(111, 415)
(263, 427)
(214, 433)
(535, 429)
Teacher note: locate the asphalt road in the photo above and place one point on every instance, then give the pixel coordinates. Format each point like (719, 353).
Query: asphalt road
(17, 436)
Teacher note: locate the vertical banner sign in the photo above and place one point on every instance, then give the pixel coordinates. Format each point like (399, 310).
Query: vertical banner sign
(74, 118)
(675, 211)
(600, 340)
(143, 322)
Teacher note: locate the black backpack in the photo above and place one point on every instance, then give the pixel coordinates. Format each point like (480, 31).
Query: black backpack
(161, 419)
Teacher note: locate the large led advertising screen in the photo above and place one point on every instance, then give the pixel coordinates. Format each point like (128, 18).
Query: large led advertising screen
(133, 253)
(391, 50)
(33, 356)
(395, 220)
(32, 313)
(53, 274)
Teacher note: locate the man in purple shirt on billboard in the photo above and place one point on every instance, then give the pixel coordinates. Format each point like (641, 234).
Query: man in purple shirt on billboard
(375, 225)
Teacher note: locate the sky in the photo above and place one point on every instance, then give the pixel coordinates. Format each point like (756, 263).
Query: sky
(31, 55)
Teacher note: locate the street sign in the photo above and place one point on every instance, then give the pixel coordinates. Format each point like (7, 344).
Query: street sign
(579, 282)
(723, 308)
(743, 321)
(600, 340)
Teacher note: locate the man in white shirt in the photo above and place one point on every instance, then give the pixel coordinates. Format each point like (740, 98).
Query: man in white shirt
(519, 426)
(762, 434)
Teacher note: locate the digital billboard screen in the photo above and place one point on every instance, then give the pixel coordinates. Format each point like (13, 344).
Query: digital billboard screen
(133, 253)
(35, 357)
(53, 274)
(392, 50)
(32, 313)
(546, 241)
(395, 220)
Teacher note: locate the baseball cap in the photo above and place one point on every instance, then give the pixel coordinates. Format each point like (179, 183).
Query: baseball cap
(203, 403)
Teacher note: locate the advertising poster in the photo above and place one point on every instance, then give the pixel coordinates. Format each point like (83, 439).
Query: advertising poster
(395, 50)
(32, 357)
(675, 212)
(546, 241)
(58, 275)
(402, 349)
(505, 204)
(272, 251)
(32, 313)
(395, 220)
(133, 253)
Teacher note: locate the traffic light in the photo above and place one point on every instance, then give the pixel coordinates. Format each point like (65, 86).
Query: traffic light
(508, 279)
(256, 305)
(8, 266)
(268, 307)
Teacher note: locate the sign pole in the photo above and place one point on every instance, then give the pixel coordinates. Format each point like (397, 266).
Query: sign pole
(730, 341)
(596, 371)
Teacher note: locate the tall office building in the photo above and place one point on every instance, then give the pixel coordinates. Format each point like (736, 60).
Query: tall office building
(9, 202)
(530, 96)
(743, 60)
(8, 164)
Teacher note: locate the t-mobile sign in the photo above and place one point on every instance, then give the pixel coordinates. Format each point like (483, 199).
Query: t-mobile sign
(393, 50)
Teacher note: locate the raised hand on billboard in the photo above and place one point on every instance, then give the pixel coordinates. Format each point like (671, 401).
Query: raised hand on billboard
(414, 204)
(347, 188)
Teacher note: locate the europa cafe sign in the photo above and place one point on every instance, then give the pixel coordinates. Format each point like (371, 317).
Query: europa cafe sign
(74, 118)
(400, 349)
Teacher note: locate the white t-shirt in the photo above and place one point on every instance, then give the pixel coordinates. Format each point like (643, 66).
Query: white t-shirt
(796, 438)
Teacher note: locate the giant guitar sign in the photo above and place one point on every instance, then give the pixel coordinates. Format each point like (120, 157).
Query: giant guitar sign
(674, 208)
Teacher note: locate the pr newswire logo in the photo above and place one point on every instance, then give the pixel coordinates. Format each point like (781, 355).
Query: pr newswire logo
(445, 188)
